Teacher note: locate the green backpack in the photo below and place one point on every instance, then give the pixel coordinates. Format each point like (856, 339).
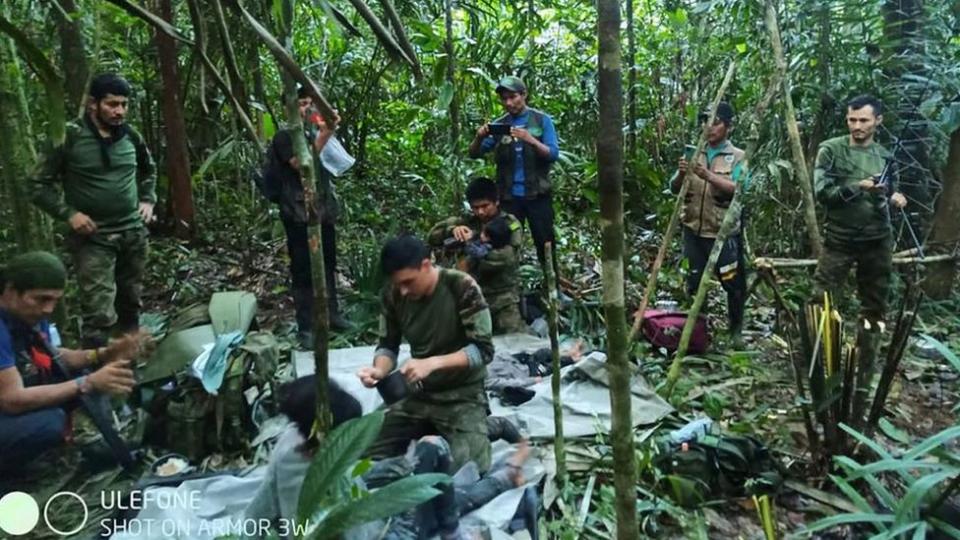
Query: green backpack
(713, 466)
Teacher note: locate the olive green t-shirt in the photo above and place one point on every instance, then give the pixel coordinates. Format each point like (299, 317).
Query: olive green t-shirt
(454, 317)
(852, 214)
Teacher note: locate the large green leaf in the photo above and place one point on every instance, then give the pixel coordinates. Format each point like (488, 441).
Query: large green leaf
(387, 501)
(933, 442)
(843, 519)
(337, 454)
(909, 507)
(949, 355)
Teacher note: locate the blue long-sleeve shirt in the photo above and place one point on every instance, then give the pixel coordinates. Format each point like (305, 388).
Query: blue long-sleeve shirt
(548, 137)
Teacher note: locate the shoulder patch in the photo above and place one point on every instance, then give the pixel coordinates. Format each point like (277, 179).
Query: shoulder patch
(728, 158)
(514, 225)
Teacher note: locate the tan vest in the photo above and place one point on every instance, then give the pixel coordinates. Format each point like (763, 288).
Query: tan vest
(705, 205)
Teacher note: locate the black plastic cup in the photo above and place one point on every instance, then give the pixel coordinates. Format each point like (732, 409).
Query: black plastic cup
(393, 387)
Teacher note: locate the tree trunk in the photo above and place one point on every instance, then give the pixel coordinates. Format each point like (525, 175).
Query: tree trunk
(73, 58)
(451, 79)
(610, 179)
(631, 85)
(550, 291)
(178, 156)
(233, 71)
(824, 116)
(946, 226)
(17, 154)
(321, 326)
(799, 160)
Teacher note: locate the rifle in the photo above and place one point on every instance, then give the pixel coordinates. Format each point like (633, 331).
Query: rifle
(89, 404)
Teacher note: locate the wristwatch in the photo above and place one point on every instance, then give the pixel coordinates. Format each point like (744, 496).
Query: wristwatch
(82, 384)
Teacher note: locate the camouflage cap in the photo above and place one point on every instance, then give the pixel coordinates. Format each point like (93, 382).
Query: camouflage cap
(511, 84)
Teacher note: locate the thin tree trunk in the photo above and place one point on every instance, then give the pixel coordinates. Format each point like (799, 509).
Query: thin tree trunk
(675, 217)
(178, 156)
(401, 34)
(236, 80)
(631, 84)
(550, 284)
(380, 31)
(825, 113)
(321, 326)
(610, 179)
(451, 77)
(799, 161)
(946, 226)
(73, 57)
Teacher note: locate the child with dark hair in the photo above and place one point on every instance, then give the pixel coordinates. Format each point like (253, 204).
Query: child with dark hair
(495, 235)
(280, 491)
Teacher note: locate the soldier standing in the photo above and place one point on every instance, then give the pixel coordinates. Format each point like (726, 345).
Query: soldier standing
(107, 178)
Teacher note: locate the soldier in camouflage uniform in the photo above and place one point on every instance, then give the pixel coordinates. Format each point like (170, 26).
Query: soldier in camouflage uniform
(444, 317)
(107, 178)
(856, 195)
(856, 182)
(497, 272)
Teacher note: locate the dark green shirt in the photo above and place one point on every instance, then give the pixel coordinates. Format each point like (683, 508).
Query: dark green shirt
(497, 272)
(852, 214)
(74, 177)
(454, 318)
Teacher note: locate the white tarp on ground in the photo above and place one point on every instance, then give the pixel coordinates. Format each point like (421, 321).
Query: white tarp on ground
(586, 406)
(584, 390)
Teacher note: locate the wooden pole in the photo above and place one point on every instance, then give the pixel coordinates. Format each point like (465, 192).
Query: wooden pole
(677, 208)
(799, 161)
(550, 282)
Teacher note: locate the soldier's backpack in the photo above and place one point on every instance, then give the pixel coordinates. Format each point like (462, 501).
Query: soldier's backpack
(712, 466)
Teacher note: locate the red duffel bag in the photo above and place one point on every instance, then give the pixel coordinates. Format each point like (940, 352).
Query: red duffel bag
(663, 329)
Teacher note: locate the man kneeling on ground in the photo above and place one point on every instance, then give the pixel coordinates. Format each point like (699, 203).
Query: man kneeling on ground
(36, 395)
(496, 271)
(444, 317)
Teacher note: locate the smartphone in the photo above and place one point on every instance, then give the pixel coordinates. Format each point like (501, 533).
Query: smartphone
(688, 151)
(498, 129)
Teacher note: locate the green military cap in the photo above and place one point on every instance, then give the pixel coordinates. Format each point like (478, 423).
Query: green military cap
(511, 84)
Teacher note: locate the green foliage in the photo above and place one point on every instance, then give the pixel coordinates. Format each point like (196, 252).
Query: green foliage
(328, 505)
(916, 478)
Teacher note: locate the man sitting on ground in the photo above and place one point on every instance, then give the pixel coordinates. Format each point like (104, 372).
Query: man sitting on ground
(36, 395)
(497, 271)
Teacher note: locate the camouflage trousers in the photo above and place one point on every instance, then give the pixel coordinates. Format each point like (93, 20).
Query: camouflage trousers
(505, 312)
(874, 271)
(462, 424)
(109, 273)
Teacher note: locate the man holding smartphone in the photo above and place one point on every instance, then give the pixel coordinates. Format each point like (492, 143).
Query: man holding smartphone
(523, 156)
(854, 183)
(716, 174)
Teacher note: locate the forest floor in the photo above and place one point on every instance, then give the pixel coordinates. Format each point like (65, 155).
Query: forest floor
(750, 390)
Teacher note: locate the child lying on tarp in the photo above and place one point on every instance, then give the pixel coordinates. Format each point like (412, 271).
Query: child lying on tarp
(278, 495)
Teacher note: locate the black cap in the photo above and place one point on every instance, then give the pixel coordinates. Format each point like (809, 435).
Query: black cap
(724, 113)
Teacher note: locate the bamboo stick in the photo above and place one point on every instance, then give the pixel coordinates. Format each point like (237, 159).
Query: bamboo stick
(551, 284)
(677, 208)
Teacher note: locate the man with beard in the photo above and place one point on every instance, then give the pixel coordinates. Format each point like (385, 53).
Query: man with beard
(107, 178)
(850, 183)
(713, 182)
